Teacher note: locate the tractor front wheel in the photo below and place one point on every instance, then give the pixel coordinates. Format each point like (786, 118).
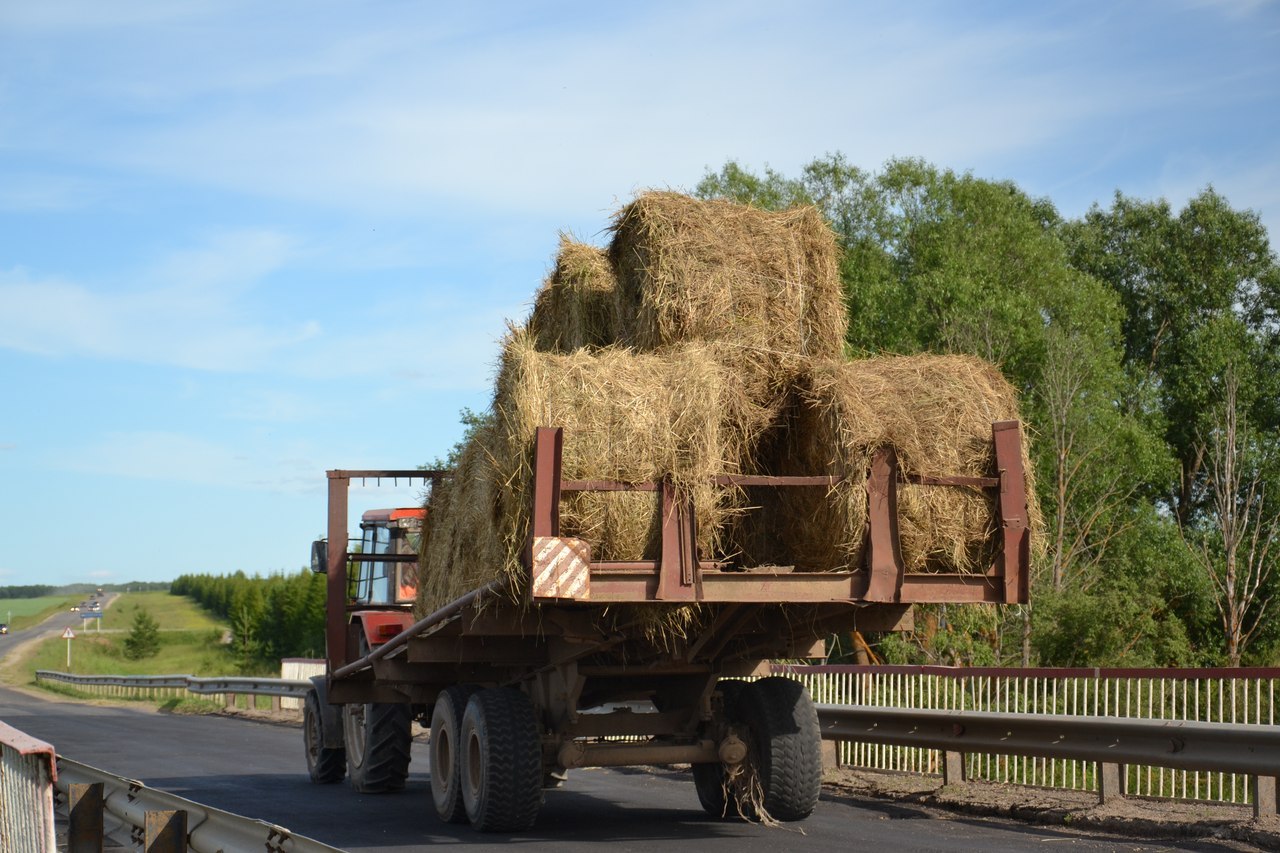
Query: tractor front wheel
(377, 735)
(325, 764)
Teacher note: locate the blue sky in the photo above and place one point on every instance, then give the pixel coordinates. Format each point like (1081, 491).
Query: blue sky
(244, 242)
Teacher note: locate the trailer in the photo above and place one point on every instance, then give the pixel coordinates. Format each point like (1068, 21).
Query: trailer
(522, 684)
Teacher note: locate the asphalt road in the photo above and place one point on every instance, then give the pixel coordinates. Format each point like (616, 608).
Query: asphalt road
(257, 769)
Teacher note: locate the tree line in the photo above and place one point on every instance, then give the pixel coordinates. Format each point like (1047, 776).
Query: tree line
(1145, 342)
(271, 617)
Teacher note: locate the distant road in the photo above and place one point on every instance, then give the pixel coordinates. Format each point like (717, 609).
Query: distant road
(54, 625)
(257, 769)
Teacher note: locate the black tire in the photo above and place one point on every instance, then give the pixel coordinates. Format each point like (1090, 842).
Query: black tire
(377, 735)
(446, 756)
(785, 746)
(501, 761)
(709, 779)
(325, 765)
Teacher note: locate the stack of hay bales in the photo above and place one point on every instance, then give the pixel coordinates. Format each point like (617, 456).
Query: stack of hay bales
(708, 339)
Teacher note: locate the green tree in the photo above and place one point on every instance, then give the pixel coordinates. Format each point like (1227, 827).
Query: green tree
(143, 640)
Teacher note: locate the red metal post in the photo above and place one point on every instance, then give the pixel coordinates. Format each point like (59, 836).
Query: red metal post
(548, 444)
(678, 572)
(1016, 563)
(335, 631)
(884, 555)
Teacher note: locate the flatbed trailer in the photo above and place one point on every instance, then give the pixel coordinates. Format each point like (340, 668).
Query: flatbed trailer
(520, 685)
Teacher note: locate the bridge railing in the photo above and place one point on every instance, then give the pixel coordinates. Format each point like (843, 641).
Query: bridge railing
(1245, 696)
(27, 776)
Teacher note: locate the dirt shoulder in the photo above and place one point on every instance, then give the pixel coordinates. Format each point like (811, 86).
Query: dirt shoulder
(1132, 816)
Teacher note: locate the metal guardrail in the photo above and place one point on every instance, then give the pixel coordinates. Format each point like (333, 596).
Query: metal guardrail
(221, 685)
(27, 774)
(1231, 748)
(148, 811)
(1109, 741)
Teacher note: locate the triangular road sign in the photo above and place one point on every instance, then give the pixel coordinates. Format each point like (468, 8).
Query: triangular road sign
(68, 634)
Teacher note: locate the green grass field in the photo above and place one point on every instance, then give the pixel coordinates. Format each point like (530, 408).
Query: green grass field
(190, 642)
(22, 613)
(173, 612)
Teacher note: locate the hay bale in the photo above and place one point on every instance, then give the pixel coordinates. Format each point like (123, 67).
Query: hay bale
(577, 305)
(691, 270)
(936, 411)
(628, 417)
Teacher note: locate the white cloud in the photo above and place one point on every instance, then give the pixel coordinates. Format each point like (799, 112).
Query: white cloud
(183, 311)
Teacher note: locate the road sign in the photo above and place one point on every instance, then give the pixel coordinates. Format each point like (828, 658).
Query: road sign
(68, 634)
(90, 615)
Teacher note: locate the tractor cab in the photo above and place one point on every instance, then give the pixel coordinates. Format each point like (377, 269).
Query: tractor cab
(382, 568)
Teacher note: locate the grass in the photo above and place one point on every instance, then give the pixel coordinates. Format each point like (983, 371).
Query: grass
(22, 613)
(190, 643)
(173, 612)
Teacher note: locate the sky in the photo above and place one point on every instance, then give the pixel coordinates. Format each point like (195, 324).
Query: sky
(242, 243)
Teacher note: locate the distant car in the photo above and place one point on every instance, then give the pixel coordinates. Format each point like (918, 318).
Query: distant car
(75, 607)
(4, 627)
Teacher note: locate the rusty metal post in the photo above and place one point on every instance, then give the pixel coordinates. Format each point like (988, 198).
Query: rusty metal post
(84, 812)
(679, 576)
(548, 444)
(1016, 564)
(335, 628)
(166, 832)
(884, 554)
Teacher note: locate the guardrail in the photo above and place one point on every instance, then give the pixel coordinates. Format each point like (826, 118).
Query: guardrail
(27, 774)
(151, 686)
(1110, 742)
(1236, 696)
(163, 822)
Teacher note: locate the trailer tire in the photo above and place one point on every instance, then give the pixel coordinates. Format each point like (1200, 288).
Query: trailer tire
(709, 779)
(446, 756)
(786, 746)
(377, 735)
(325, 765)
(501, 761)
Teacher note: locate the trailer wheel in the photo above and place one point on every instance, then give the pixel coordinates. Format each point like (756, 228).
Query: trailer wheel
(446, 758)
(710, 779)
(325, 765)
(501, 761)
(785, 746)
(378, 735)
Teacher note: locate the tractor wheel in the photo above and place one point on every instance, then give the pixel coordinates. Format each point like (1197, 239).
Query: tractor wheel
(377, 736)
(501, 761)
(710, 779)
(446, 757)
(325, 765)
(785, 746)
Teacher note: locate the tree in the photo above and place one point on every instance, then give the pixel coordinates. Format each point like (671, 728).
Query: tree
(1241, 527)
(143, 640)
